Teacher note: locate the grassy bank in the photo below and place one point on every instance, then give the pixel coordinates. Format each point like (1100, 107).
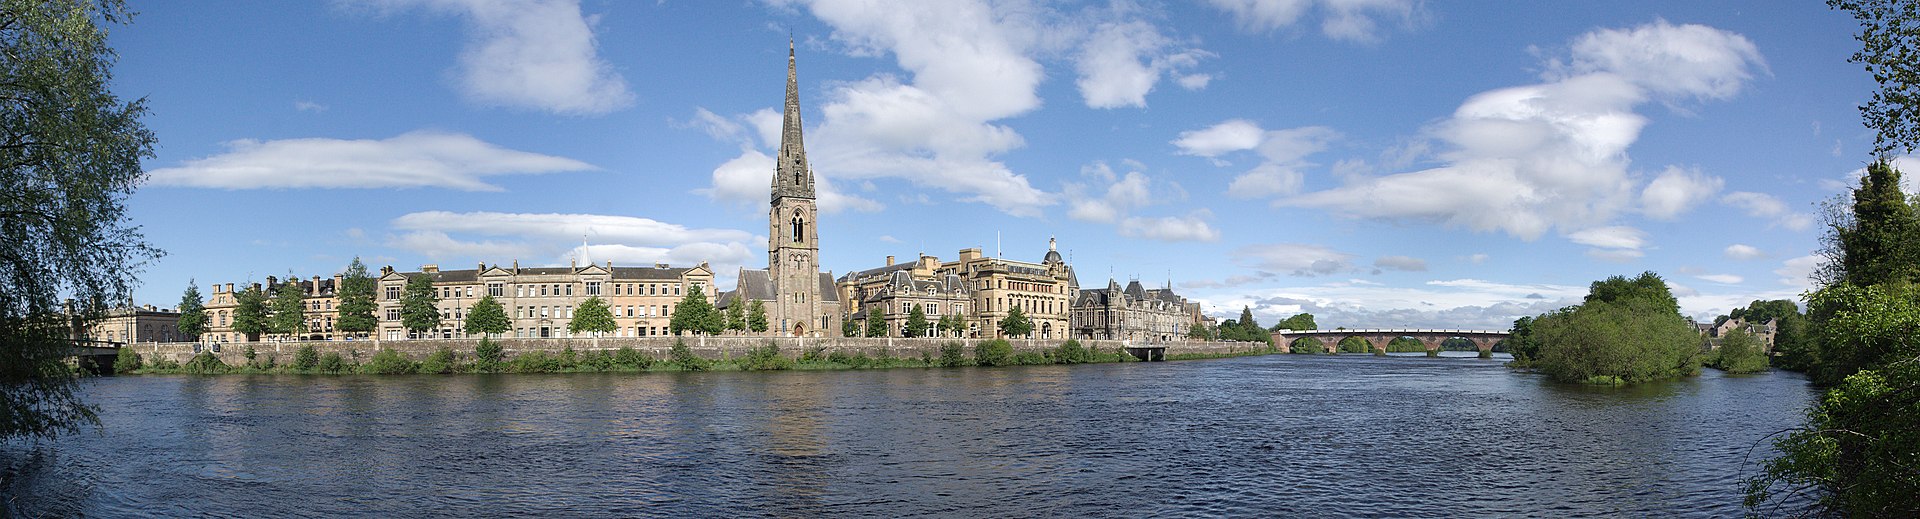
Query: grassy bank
(488, 358)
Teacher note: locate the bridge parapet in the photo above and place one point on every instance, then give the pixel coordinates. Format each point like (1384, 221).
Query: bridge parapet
(1378, 337)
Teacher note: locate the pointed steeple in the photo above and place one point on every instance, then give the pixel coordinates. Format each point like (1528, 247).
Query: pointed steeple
(792, 177)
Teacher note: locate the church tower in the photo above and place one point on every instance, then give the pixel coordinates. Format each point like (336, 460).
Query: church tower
(793, 248)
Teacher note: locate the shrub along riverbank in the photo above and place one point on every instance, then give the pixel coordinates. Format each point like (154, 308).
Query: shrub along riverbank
(487, 357)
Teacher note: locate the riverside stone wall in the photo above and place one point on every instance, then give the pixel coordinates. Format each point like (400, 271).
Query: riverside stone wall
(711, 347)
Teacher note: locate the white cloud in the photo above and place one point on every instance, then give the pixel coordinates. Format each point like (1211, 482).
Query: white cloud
(1293, 258)
(1907, 165)
(1761, 205)
(1455, 304)
(1615, 237)
(1123, 60)
(1724, 279)
(1742, 252)
(555, 239)
(417, 159)
(537, 54)
(747, 180)
(1798, 272)
(1401, 263)
(1477, 258)
(1192, 227)
(1675, 191)
(1195, 81)
(1219, 139)
(1352, 20)
(1283, 154)
(1528, 159)
(309, 106)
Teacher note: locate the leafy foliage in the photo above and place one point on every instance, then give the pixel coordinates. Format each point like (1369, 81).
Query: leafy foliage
(592, 316)
(765, 358)
(1888, 37)
(1307, 345)
(953, 325)
(1739, 352)
(996, 352)
(356, 300)
(1302, 321)
(389, 362)
(1628, 330)
(206, 364)
(917, 324)
(487, 355)
(1071, 352)
(440, 361)
(306, 358)
(682, 356)
(952, 354)
(737, 317)
(70, 157)
(1015, 324)
(250, 312)
(849, 328)
(487, 317)
(289, 308)
(876, 322)
(332, 363)
(193, 312)
(696, 315)
(419, 304)
(757, 317)
(126, 360)
(630, 358)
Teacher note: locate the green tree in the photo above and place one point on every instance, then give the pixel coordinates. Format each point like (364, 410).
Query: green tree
(193, 312)
(356, 300)
(1199, 331)
(695, 314)
(849, 328)
(1739, 352)
(1628, 330)
(592, 316)
(876, 322)
(1302, 321)
(1875, 242)
(1522, 343)
(487, 317)
(288, 309)
(126, 360)
(1889, 33)
(250, 312)
(953, 325)
(757, 317)
(1015, 324)
(419, 304)
(917, 324)
(737, 317)
(70, 155)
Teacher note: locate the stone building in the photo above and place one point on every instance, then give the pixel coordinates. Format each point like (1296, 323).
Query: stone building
(320, 299)
(540, 300)
(1765, 332)
(896, 289)
(799, 299)
(128, 325)
(1132, 314)
(990, 288)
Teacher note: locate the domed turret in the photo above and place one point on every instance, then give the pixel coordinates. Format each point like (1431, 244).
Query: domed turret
(1053, 253)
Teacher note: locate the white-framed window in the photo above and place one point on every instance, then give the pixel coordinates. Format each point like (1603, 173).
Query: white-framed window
(569, 288)
(593, 288)
(393, 292)
(496, 290)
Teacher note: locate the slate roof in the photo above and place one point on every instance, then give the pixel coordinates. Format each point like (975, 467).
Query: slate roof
(670, 273)
(757, 284)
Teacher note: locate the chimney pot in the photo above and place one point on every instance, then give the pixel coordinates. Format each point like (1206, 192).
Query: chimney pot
(889, 260)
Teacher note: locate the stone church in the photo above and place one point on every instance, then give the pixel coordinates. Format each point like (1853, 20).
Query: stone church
(800, 300)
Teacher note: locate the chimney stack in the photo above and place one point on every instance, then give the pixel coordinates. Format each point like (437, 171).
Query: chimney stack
(229, 288)
(889, 260)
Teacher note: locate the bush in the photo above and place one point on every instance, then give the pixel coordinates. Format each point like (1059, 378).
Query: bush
(306, 358)
(814, 354)
(248, 354)
(272, 360)
(389, 362)
(1071, 352)
(126, 361)
(856, 360)
(952, 354)
(206, 364)
(995, 352)
(629, 358)
(765, 358)
(534, 362)
(486, 355)
(568, 359)
(1031, 358)
(332, 363)
(1740, 352)
(683, 357)
(164, 364)
(440, 361)
(597, 360)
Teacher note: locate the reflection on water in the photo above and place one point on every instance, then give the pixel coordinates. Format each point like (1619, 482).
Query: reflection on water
(1288, 435)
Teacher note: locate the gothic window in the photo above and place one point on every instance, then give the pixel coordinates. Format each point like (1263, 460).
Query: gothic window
(799, 235)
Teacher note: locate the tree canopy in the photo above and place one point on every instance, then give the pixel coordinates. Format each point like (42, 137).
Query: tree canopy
(876, 322)
(757, 317)
(592, 316)
(356, 300)
(1888, 36)
(419, 304)
(487, 317)
(70, 155)
(289, 308)
(250, 312)
(695, 314)
(193, 312)
(1015, 324)
(917, 324)
(1628, 330)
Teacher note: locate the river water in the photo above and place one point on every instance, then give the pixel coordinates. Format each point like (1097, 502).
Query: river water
(1281, 435)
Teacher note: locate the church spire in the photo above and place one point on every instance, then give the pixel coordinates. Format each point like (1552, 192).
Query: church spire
(792, 177)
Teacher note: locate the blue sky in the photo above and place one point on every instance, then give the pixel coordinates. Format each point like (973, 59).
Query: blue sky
(1375, 162)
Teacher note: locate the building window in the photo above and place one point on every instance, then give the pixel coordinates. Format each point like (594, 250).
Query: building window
(593, 288)
(393, 292)
(569, 288)
(496, 290)
(393, 314)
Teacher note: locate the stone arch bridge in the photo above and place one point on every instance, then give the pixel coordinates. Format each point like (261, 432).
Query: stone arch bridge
(1378, 337)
